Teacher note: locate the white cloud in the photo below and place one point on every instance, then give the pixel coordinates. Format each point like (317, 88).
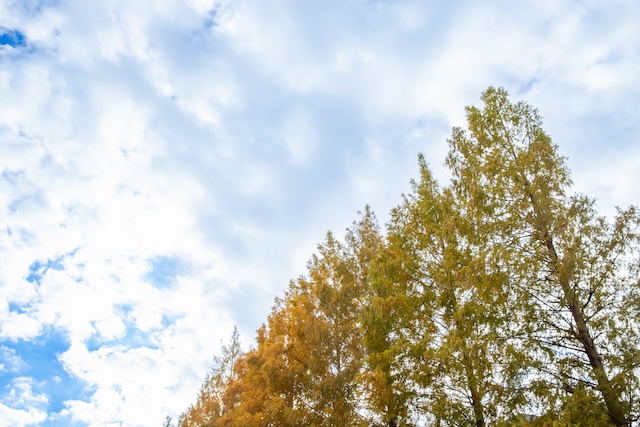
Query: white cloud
(11, 361)
(20, 393)
(19, 405)
(10, 417)
(18, 325)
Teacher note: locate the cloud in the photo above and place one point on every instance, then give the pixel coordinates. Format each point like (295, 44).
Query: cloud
(11, 417)
(19, 405)
(11, 361)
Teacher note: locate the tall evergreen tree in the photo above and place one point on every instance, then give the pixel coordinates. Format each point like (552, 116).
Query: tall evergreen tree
(438, 340)
(575, 271)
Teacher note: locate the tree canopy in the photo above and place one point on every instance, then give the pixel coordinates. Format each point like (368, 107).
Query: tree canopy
(498, 299)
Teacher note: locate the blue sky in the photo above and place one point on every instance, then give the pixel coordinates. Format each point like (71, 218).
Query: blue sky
(167, 167)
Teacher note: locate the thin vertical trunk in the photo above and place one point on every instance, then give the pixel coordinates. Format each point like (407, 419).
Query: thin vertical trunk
(472, 383)
(615, 409)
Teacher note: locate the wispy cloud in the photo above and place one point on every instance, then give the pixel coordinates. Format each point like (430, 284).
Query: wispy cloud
(20, 405)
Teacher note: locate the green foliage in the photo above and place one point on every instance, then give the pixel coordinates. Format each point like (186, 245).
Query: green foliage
(583, 409)
(567, 264)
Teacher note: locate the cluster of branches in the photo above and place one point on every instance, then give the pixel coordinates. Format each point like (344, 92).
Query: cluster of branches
(497, 300)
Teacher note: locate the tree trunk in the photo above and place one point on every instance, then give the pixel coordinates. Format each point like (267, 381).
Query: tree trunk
(472, 383)
(615, 409)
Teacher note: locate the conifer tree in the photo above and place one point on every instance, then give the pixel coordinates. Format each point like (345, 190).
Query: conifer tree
(437, 335)
(305, 368)
(209, 405)
(575, 271)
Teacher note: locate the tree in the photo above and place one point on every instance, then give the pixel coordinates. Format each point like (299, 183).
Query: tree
(576, 272)
(438, 316)
(209, 406)
(266, 390)
(304, 370)
(390, 306)
(499, 299)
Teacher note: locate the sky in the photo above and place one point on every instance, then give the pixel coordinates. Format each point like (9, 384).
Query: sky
(167, 166)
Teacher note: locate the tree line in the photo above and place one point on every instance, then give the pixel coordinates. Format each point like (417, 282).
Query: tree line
(499, 299)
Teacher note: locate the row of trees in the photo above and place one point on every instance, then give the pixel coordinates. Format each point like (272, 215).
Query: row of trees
(499, 299)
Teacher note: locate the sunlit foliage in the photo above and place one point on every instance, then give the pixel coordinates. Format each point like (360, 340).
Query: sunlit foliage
(498, 299)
